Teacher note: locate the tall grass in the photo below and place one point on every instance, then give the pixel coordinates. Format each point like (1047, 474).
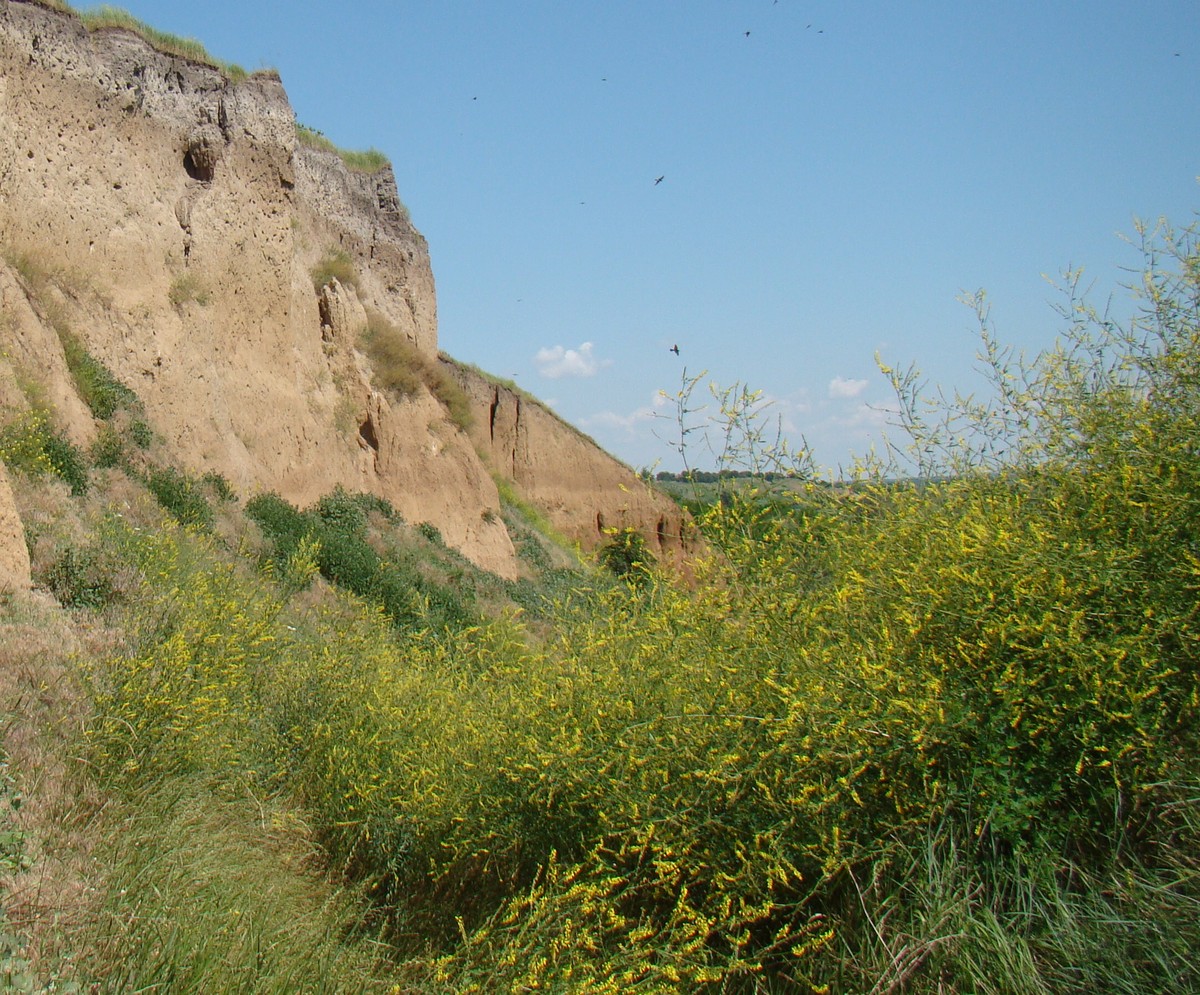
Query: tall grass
(106, 16)
(370, 161)
(213, 893)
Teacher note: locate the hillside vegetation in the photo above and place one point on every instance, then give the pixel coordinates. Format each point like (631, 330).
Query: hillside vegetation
(900, 739)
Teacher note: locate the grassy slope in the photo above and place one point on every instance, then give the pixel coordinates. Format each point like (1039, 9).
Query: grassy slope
(910, 740)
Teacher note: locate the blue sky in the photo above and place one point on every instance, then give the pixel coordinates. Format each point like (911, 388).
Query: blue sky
(835, 176)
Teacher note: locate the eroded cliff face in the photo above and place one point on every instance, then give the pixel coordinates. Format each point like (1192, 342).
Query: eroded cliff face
(168, 217)
(582, 490)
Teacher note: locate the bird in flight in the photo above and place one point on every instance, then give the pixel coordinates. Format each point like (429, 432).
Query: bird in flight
(674, 349)
(660, 179)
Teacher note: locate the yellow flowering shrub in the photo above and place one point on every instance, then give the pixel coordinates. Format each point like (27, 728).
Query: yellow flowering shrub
(887, 738)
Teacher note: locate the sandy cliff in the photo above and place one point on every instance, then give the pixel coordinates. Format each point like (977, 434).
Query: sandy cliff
(168, 217)
(582, 490)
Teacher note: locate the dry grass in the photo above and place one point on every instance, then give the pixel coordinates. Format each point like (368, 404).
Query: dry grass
(52, 890)
(185, 288)
(334, 265)
(402, 369)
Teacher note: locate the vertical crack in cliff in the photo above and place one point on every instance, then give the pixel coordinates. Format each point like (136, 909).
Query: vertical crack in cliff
(492, 414)
(516, 436)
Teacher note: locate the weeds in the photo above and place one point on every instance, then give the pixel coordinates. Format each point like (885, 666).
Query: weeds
(334, 265)
(30, 445)
(626, 555)
(186, 288)
(80, 578)
(102, 392)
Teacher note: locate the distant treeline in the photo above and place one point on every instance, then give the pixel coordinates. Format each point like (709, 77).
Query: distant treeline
(714, 476)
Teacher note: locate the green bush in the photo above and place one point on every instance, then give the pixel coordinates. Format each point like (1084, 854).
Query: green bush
(219, 485)
(282, 523)
(431, 533)
(102, 392)
(21, 444)
(180, 494)
(626, 555)
(347, 559)
(81, 578)
(342, 512)
(141, 433)
(334, 533)
(109, 449)
(67, 461)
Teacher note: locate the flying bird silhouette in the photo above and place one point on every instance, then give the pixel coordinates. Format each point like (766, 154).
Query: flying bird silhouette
(660, 179)
(674, 349)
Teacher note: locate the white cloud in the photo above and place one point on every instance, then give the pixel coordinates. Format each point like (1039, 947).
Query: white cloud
(841, 387)
(613, 419)
(558, 361)
(869, 416)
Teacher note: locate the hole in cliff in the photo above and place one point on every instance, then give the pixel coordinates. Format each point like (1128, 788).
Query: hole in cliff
(661, 531)
(198, 167)
(600, 522)
(366, 432)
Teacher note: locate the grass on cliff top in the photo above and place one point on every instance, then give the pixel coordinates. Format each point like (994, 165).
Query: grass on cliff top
(370, 161)
(106, 16)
